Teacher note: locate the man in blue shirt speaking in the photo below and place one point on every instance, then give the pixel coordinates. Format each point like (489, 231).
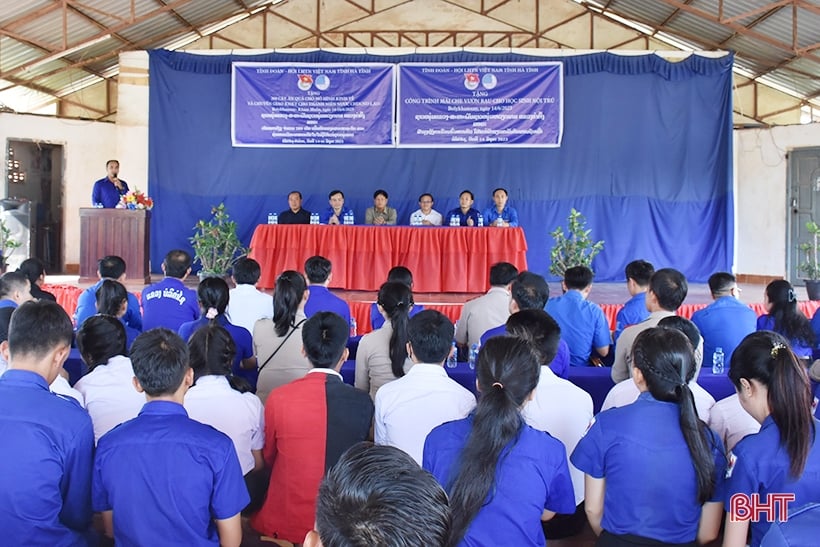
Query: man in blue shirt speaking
(48, 440)
(107, 191)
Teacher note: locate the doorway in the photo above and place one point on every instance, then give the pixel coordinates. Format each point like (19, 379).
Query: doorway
(33, 207)
(804, 205)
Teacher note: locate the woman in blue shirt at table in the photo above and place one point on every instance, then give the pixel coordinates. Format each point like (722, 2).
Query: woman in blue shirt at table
(501, 214)
(654, 471)
(502, 476)
(783, 317)
(784, 457)
(213, 295)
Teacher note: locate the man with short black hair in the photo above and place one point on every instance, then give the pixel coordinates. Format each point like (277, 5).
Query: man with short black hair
(466, 215)
(108, 267)
(319, 273)
(108, 190)
(425, 214)
(380, 214)
(490, 310)
(667, 291)
(48, 440)
(335, 214)
(377, 495)
(169, 303)
(294, 214)
(583, 324)
(247, 304)
(409, 408)
(163, 478)
(725, 322)
(638, 273)
(309, 423)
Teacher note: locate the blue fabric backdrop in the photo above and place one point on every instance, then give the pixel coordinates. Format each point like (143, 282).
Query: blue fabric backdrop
(646, 157)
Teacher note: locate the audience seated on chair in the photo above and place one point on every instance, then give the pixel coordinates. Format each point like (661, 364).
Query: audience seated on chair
(401, 275)
(731, 422)
(783, 317)
(318, 271)
(247, 304)
(108, 267)
(638, 273)
(489, 310)
(408, 408)
(35, 270)
(727, 320)
(112, 299)
(309, 423)
(169, 303)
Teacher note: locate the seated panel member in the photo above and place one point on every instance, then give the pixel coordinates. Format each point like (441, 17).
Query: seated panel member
(336, 212)
(501, 214)
(467, 216)
(380, 214)
(638, 273)
(294, 214)
(426, 215)
(163, 478)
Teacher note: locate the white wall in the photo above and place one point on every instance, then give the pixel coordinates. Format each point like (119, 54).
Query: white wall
(761, 172)
(86, 147)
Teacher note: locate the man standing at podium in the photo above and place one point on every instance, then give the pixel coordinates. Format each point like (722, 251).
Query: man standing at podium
(107, 190)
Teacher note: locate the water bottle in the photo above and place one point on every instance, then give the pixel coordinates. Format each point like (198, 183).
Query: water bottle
(471, 361)
(348, 218)
(354, 328)
(480, 220)
(717, 361)
(454, 220)
(451, 359)
(273, 218)
(416, 220)
(314, 218)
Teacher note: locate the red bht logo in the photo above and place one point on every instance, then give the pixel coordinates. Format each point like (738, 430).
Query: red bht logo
(774, 507)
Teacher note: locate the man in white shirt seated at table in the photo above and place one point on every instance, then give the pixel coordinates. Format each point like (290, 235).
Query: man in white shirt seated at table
(247, 304)
(425, 215)
(626, 392)
(409, 408)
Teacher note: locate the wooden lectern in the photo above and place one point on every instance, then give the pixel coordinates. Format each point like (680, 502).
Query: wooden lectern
(122, 232)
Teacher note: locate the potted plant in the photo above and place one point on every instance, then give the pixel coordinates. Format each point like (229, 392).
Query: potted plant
(811, 266)
(216, 245)
(573, 248)
(7, 245)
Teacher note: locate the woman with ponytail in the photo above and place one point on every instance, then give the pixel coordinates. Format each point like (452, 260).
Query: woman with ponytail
(382, 353)
(654, 471)
(226, 403)
(112, 299)
(783, 457)
(783, 317)
(502, 476)
(278, 341)
(213, 295)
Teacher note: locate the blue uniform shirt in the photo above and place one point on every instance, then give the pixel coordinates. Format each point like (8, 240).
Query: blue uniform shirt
(532, 475)
(509, 214)
(166, 477)
(45, 471)
(324, 216)
(241, 338)
(377, 320)
(799, 347)
(462, 217)
(559, 365)
(321, 299)
(106, 194)
(724, 324)
(87, 306)
(651, 487)
(168, 303)
(583, 325)
(633, 311)
(760, 465)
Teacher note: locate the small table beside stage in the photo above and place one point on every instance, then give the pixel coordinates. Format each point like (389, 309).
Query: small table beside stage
(446, 259)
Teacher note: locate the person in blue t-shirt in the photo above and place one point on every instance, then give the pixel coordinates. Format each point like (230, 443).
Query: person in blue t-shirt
(727, 320)
(399, 274)
(319, 273)
(638, 273)
(335, 214)
(112, 299)
(213, 296)
(784, 456)
(108, 190)
(501, 214)
(503, 477)
(163, 478)
(654, 471)
(783, 317)
(169, 303)
(108, 267)
(467, 216)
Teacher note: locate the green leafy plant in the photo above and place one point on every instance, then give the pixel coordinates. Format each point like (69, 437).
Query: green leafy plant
(573, 248)
(811, 266)
(7, 244)
(216, 245)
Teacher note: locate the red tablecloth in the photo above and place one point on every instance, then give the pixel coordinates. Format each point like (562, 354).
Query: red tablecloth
(441, 259)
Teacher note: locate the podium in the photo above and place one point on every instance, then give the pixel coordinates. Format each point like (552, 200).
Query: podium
(122, 232)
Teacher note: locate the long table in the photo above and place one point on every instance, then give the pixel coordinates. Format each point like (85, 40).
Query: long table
(442, 259)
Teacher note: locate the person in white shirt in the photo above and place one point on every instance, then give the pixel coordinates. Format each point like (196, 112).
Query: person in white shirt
(731, 421)
(227, 403)
(108, 389)
(626, 392)
(425, 214)
(409, 408)
(488, 311)
(247, 304)
(557, 406)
